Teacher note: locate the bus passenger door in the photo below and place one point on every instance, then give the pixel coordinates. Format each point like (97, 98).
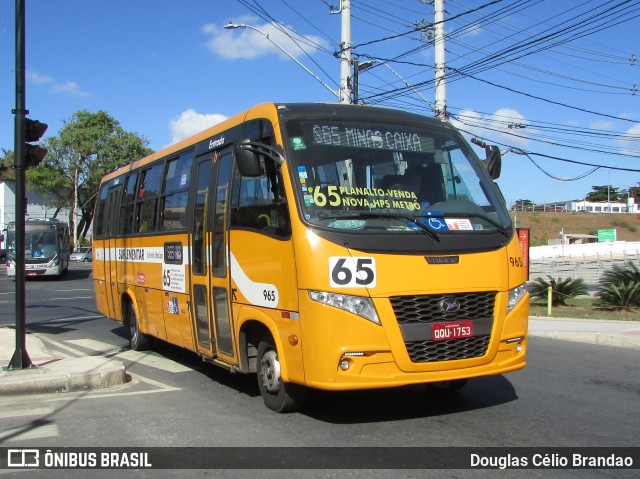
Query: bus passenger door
(112, 211)
(200, 259)
(220, 293)
(209, 258)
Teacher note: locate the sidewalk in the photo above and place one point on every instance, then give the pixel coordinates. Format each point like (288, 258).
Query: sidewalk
(61, 373)
(610, 333)
(54, 372)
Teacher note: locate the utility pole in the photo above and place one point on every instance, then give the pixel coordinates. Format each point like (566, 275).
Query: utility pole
(438, 43)
(20, 359)
(75, 210)
(345, 52)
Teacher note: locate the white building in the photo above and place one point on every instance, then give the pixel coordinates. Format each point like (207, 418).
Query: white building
(628, 206)
(36, 208)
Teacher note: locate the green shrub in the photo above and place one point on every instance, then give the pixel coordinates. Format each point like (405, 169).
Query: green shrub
(561, 289)
(619, 296)
(619, 288)
(620, 274)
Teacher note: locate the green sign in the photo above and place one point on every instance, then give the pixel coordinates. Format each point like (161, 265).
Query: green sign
(606, 235)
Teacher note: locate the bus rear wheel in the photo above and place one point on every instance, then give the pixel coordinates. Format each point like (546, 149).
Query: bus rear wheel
(138, 341)
(276, 394)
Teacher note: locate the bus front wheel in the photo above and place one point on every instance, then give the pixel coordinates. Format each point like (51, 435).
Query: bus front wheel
(276, 394)
(448, 386)
(138, 341)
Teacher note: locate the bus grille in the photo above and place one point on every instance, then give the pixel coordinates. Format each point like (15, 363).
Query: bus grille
(413, 311)
(432, 351)
(426, 309)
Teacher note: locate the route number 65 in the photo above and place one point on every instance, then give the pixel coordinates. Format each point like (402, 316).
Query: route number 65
(348, 272)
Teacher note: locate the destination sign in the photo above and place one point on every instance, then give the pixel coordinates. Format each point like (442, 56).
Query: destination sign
(352, 136)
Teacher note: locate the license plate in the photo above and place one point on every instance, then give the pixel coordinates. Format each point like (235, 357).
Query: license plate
(453, 330)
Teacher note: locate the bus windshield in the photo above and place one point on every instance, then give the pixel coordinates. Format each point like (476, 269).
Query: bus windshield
(41, 243)
(361, 175)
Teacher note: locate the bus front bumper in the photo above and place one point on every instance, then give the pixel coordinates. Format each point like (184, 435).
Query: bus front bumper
(347, 352)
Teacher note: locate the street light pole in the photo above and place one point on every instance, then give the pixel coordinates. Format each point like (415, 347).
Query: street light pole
(233, 26)
(358, 67)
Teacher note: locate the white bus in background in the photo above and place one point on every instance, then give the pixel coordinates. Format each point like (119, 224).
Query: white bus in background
(47, 248)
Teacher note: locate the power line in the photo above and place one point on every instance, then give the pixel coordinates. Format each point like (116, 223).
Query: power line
(513, 90)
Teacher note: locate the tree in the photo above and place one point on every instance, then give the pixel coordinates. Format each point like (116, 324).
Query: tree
(88, 146)
(7, 172)
(634, 192)
(603, 193)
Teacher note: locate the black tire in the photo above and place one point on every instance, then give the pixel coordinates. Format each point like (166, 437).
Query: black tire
(138, 341)
(86, 260)
(276, 394)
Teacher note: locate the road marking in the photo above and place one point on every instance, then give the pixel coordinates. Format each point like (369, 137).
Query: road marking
(75, 289)
(148, 358)
(29, 432)
(21, 412)
(30, 429)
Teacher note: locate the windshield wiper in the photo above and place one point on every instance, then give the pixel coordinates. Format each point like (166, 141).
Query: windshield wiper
(347, 215)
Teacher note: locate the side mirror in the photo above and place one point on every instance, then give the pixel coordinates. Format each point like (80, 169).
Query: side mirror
(247, 159)
(493, 163)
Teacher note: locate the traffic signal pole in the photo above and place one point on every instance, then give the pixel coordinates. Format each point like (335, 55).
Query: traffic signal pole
(20, 359)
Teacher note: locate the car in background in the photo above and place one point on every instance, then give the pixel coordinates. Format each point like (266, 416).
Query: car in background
(82, 255)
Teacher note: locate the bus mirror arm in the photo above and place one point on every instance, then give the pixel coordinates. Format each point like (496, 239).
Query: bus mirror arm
(248, 156)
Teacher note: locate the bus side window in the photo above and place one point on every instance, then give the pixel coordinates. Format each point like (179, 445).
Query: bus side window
(173, 207)
(259, 203)
(148, 194)
(127, 208)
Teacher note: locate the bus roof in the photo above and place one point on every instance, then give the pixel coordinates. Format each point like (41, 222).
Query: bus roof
(284, 111)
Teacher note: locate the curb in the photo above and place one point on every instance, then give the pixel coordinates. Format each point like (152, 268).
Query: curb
(604, 339)
(65, 375)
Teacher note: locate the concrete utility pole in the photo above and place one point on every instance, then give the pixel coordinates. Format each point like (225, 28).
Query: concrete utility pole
(345, 52)
(438, 44)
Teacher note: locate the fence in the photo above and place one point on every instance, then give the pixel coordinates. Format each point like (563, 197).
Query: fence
(590, 268)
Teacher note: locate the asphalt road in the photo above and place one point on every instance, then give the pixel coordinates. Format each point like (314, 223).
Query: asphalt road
(570, 395)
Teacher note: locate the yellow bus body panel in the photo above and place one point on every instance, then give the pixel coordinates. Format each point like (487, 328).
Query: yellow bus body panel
(311, 338)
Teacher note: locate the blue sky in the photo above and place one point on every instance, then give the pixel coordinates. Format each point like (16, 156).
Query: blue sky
(167, 69)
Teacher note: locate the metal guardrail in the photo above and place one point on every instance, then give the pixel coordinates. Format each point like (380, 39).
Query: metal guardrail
(590, 269)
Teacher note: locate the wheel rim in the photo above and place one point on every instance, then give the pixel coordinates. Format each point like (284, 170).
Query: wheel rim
(270, 372)
(133, 324)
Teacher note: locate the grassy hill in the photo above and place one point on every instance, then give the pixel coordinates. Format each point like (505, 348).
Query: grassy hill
(546, 225)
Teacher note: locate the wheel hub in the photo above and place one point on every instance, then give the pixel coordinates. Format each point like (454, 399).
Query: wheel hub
(270, 372)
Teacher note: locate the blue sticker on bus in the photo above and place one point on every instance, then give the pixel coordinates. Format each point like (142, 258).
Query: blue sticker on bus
(435, 220)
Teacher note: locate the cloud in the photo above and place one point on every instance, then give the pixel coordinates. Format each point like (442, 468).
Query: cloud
(190, 122)
(247, 43)
(630, 141)
(69, 88)
(496, 125)
(601, 125)
(37, 79)
(473, 30)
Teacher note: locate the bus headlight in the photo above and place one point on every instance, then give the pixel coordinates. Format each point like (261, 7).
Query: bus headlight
(515, 296)
(363, 307)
